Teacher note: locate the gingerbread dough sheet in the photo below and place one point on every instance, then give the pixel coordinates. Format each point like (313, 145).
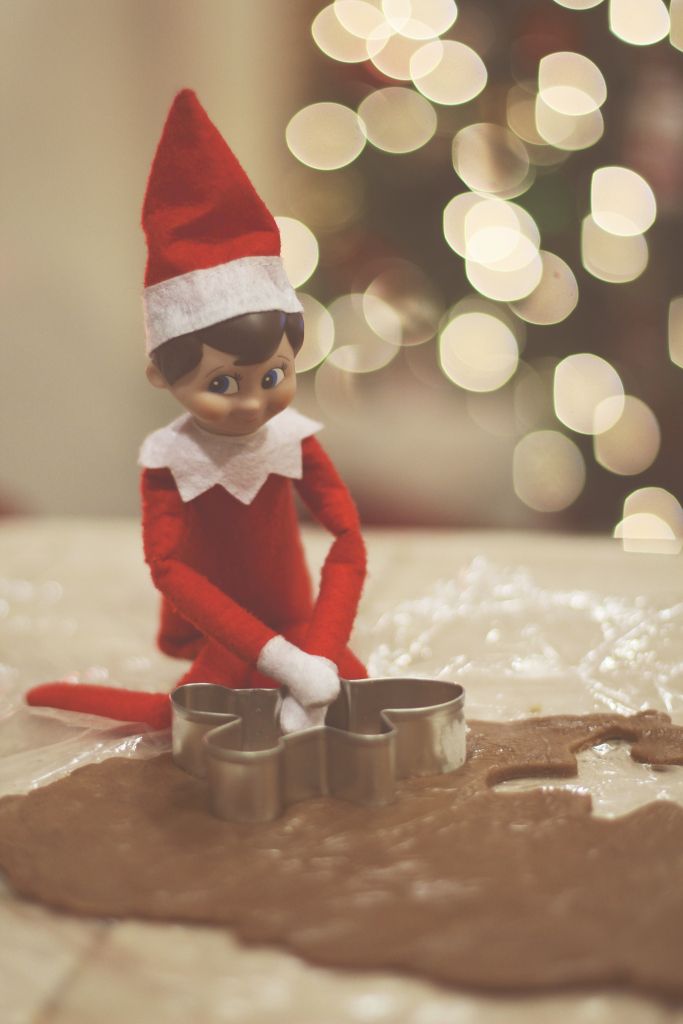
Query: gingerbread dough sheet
(455, 882)
(582, 628)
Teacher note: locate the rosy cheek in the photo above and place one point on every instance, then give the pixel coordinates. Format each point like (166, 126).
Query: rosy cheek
(209, 407)
(282, 397)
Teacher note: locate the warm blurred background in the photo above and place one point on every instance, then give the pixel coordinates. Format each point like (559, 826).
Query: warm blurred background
(481, 206)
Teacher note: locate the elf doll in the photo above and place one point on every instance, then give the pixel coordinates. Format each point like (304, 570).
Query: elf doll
(220, 531)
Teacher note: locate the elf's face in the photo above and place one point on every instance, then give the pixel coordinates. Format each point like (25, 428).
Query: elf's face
(224, 398)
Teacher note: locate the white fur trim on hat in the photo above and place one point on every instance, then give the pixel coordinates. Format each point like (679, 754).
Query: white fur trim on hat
(252, 284)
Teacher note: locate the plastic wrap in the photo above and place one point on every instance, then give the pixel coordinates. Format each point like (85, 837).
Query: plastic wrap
(519, 649)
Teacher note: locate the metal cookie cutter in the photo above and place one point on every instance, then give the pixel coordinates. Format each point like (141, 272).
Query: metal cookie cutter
(375, 732)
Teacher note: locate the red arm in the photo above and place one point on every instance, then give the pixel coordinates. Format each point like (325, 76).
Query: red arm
(212, 611)
(343, 574)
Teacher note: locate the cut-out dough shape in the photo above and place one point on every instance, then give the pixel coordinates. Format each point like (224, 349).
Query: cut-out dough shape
(615, 783)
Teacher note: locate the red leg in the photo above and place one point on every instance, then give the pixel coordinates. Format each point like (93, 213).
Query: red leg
(176, 636)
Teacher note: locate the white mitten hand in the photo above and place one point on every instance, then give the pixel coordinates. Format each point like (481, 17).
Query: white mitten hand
(294, 718)
(312, 680)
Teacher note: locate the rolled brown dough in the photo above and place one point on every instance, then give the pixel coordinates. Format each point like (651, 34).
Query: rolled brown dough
(455, 882)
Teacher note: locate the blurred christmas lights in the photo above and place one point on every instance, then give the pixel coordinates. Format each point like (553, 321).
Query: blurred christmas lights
(646, 533)
(448, 72)
(613, 258)
(582, 384)
(359, 348)
(318, 336)
(489, 158)
(548, 471)
(420, 19)
(578, 5)
(639, 22)
(478, 351)
(325, 136)
(652, 522)
(335, 40)
(568, 131)
(676, 330)
(506, 283)
(571, 84)
(392, 54)
(498, 232)
(631, 444)
(480, 339)
(397, 120)
(622, 202)
(554, 297)
(401, 305)
(676, 31)
(299, 249)
(360, 17)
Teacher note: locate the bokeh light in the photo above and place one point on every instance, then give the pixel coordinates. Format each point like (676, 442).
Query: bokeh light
(505, 283)
(647, 533)
(521, 114)
(676, 330)
(622, 202)
(571, 83)
(360, 17)
(325, 136)
(448, 72)
(318, 334)
(652, 522)
(401, 304)
(554, 297)
(454, 216)
(639, 22)
(392, 54)
(489, 230)
(397, 120)
(335, 40)
(552, 108)
(656, 501)
(299, 250)
(631, 445)
(578, 5)
(613, 258)
(566, 131)
(359, 348)
(582, 384)
(489, 158)
(676, 16)
(500, 234)
(478, 351)
(420, 19)
(548, 471)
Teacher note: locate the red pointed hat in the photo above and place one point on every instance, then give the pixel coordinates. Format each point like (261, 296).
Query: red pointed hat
(213, 246)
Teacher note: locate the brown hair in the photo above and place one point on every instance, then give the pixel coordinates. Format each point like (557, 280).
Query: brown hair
(253, 337)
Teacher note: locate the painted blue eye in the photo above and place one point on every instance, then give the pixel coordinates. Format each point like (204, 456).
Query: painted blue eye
(272, 378)
(224, 385)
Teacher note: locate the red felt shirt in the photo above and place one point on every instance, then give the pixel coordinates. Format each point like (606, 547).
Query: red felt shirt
(237, 574)
(232, 576)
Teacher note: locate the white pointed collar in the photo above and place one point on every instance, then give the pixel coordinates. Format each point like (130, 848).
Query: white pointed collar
(199, 460)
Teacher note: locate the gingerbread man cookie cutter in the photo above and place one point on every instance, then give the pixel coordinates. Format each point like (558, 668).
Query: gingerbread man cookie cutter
(376, 732)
